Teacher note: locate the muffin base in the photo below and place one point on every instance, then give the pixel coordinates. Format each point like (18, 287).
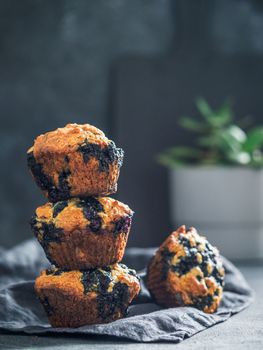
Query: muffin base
(68, 305)
(65, 310)
(80, 250)
(62, 176)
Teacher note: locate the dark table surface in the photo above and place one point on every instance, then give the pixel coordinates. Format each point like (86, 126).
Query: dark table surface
(242, 331)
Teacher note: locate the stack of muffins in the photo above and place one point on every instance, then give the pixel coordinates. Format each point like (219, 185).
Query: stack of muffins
(82, 232)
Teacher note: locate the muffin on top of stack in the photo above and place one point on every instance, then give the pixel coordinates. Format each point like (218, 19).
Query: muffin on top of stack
(82, 232)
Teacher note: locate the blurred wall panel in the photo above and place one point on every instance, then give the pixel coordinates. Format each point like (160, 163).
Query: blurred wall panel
(55, 59)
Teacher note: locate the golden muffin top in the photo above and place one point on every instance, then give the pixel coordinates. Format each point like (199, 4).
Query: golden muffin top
(68, 139)
(93, 281)
(97, 213)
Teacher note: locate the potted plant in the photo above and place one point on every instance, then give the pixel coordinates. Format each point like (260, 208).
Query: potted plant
(217, 185)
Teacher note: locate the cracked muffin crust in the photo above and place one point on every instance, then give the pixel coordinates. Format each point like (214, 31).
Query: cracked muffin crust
(83, 233)
(75, 161)
(186, 270)
(77, 298)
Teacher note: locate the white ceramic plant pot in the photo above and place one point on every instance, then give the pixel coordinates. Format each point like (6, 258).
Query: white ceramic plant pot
(225, 204)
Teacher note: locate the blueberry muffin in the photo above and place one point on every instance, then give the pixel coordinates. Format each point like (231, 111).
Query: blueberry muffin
(186, 270)
(75, 161)
(83, 233)
(78, 298)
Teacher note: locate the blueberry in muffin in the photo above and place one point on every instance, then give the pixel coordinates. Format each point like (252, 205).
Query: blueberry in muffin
(77, 298)
(75, 161)
(83, 233)
(186, 270)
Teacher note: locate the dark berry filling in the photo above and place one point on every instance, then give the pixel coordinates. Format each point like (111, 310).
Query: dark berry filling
(186, 263)
(46, 184)
(216, 292)
(201, 302)
(50, 233)
(95, 224)
(91, 204)
(54, 272)
(185, 241)
(105, 156)
(43, 181)
(63, 186)
(58, 207)
(190, 260)
(129, 271)
(116, 300)
(91, 207)
(122, 225)
(108, 302)
(62, 192)
(209, 255)
(95, 280)
(166, 257)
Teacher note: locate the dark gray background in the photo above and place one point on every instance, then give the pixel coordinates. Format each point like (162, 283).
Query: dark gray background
(129, 67)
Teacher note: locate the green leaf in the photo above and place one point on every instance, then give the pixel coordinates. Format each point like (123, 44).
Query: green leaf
(232, 139)
(224, 115)
(204, 108)
(257, 159)
(254, 140)
(236, 133)
(220, 141)
(216, 118)
(209, 141)
(241, 158)
(192, 124)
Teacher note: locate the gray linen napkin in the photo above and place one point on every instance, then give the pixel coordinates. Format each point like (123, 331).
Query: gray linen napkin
(146, 322)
